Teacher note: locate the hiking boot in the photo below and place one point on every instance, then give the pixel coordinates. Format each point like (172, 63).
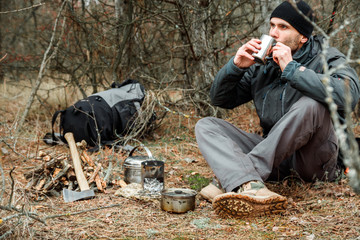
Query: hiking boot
(210, 192)
(252, 199)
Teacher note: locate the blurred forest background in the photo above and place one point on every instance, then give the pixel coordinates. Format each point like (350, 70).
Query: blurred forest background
(173, 45)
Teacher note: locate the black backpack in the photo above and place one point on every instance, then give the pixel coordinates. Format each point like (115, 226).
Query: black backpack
(103, 117)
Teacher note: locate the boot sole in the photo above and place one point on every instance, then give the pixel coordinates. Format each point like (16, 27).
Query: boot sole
(234, 205)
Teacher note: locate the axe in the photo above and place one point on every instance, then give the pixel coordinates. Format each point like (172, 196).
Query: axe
(85, 191)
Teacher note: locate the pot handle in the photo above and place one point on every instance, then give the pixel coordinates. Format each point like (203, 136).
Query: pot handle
(146, 149)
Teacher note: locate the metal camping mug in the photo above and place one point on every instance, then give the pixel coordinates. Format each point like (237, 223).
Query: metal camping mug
(152, 176)
(267, 42)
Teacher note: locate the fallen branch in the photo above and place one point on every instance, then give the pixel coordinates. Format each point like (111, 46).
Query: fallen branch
(83, 211)
(22, 212)
(6, 234)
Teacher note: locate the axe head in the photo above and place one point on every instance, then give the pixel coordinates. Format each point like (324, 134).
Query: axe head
(71, 196)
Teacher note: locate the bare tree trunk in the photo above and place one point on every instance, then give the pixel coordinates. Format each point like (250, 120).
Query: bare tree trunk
(203, 46)
(120, 45)
(1, 42)
(90, 49)
(200, 69)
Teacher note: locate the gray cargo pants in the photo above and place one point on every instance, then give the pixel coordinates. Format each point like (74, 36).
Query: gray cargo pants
(303, 140)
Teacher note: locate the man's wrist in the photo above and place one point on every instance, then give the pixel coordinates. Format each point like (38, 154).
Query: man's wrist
(234, 67)
(290, 69)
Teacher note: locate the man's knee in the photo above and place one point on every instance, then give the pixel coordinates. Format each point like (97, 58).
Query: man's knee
(310, 107)
(204, 124)
(207, 124)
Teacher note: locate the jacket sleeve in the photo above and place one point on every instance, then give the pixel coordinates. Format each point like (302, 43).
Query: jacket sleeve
(231, 87)
(310, 82)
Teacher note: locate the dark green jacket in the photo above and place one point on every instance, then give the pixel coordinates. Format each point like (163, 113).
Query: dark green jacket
(274, 92)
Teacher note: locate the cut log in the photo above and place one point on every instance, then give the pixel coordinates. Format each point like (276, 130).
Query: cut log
(40, 184)
(87, 159)
(56, 171)
(99, 183)
(61, 173)
(95, 173)
(49, 164)
(71, 175)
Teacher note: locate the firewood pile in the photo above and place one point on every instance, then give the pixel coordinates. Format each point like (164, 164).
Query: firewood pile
(56, 173)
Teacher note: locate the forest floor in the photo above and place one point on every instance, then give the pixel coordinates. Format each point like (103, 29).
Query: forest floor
(319, 210)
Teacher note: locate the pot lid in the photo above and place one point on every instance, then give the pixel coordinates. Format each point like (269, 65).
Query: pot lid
(179, 192)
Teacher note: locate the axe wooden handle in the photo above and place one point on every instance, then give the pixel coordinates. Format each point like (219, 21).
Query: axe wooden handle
(80, 177)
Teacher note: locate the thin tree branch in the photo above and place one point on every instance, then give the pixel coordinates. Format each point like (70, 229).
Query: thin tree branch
(186, 31)
(23, 9)
(3, 183)
(43, 66)
(12, 149)
(3, 57)
(332, 19)
(12, 186)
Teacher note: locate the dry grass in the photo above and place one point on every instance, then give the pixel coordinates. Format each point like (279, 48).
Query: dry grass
(316, 210)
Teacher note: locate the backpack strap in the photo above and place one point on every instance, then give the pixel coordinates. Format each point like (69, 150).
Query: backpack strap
(54, 138)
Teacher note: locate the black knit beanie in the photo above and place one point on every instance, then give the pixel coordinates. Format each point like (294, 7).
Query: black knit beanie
(287, 12)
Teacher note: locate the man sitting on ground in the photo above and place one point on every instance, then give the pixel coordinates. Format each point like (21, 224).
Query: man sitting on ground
(289, 97)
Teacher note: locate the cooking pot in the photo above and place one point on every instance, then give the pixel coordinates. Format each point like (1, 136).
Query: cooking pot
(152, 176)
(132, 166)
(178, 200)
